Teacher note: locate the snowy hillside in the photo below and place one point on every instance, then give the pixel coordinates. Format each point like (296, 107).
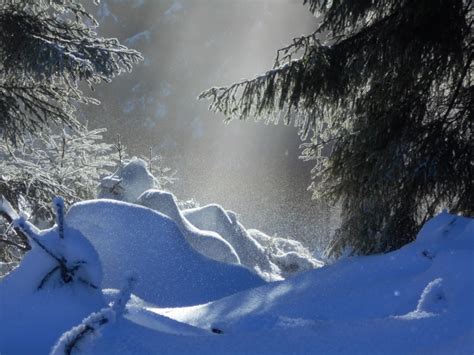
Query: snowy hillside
(418, 299)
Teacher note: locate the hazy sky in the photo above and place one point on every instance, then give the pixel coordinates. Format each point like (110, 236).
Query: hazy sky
(190, 45)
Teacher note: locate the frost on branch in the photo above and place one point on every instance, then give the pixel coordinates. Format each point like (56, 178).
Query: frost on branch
(47, 49)
(65, 163)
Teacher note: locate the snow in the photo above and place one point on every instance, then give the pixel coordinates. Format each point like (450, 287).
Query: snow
(128, 182)
(207, 243)
(290, 256)
(357, 305)
(402, 302)
(416, 300)
(251, 254)
(133, 238)
(79, 337)
(37, 307)
(211, 230)
(5, 268)
(217, 234)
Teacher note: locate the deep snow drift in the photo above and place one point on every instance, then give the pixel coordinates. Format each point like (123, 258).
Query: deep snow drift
(211, 230)
(130, 237)
(417, 300)
(205, 242)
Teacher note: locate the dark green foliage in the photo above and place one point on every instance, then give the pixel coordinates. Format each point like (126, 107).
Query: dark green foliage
(47, 48)
(390, 94)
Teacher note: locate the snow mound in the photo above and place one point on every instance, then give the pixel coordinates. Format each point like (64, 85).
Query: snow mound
(214, 218)
(37, 302)
(130, 237)
(207, 243)
(217, 234)
(290, 256)
(211, 230)
(128, 182)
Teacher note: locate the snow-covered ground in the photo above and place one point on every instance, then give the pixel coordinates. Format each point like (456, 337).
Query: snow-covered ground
(417, 300)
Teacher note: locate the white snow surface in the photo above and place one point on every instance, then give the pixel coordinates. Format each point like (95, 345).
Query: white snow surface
(210, 230)
(416, 300)
(133, 238)
(205, 242)
(217, 234)
(31, 318)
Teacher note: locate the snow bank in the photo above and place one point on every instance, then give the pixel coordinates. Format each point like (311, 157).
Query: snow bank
(207, 243)
(416, 300)
(130, 237)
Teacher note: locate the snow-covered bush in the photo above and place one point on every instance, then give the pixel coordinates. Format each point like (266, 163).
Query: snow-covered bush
(128, 182)
(132, 178)
(289, 255)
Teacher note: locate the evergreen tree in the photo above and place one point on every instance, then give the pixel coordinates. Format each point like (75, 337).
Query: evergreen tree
(388, 102)
(47, 48)
(69, 164)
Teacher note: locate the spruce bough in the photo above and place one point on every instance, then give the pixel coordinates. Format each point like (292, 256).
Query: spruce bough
(47, 49)
(390, 94)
